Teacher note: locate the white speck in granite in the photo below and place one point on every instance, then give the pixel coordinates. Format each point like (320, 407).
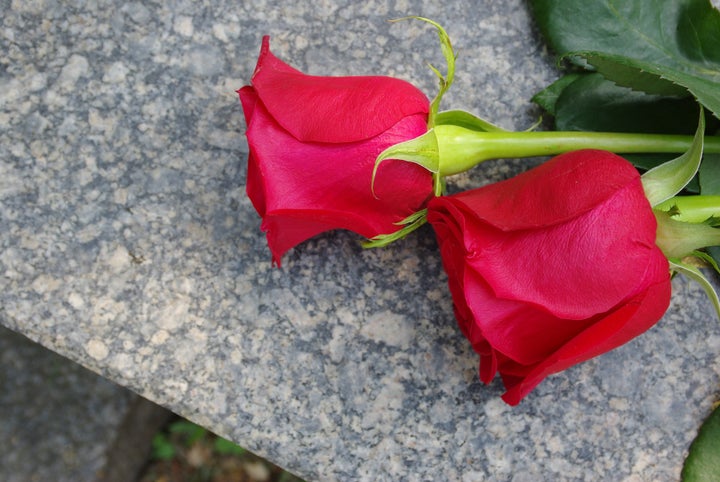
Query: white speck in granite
(159, 337)
(390, 328)
(138, 12)
(125, 361)
(236, 357)
(183, 25)
(97, 349)
(45, 283)
(76, 67)
(76, 300)
(174, 314)
(118, 259)
(173, 387)
(115, 73)
(204, 61)
(220, 32)
(186, 351)
(105, 310)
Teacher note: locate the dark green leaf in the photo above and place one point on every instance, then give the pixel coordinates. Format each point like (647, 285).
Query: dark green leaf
(656, 46)
(658, 79)
(714, 252)
(636, 74)
(703, 461)
(710, 174)
(592, 103)
(548, 97)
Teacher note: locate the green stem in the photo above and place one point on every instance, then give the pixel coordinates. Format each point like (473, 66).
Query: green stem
(461, 148)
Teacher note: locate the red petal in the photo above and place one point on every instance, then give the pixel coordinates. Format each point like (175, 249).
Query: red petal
(631, 320)
(554, 284)
(572, 269)
(553, 192)
(582, 267)
(528, 334)
(525, 333)
(306, 188)
(248, 99)
(254, 185)
(333, 109)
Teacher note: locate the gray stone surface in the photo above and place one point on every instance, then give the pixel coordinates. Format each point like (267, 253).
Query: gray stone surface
(127, 245)
(57, 419)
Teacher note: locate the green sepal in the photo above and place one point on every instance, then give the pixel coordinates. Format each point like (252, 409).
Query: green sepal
(467, 120)
(450, 57)
(692, 209)
(422, 150)
(677, 239)
(666, 180)
(708, 259)
(447, 149)
(695, 274)
(410, 224)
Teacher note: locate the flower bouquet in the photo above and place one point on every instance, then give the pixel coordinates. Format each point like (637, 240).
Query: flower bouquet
(558, 264)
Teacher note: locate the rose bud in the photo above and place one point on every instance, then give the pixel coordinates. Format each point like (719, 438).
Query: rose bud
(552, 267)
(313, 141)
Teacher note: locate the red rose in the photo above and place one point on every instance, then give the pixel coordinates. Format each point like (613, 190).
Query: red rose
(313, 143)
(552, 267)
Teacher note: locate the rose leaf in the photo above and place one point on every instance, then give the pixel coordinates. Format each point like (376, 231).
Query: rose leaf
(703, 461)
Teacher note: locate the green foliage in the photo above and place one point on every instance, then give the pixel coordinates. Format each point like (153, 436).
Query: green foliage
(225, 447)
(590, 102)
(548, 98)
(703, 461)
(636, 67)
(162, 447)
(191, 432)
(185, 434)
(710, 174)
(655, 46)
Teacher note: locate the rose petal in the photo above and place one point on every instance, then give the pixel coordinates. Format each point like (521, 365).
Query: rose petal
(573, 269)
(329, 185)
(553, 192)
(526, 333)
(376, 103)
(556, 284)
(629, 321)
(582, 267)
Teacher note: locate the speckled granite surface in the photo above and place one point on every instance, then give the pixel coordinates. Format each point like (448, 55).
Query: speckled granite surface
(127, 244)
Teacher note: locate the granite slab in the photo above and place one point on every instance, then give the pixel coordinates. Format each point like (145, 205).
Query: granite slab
(127, 245)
